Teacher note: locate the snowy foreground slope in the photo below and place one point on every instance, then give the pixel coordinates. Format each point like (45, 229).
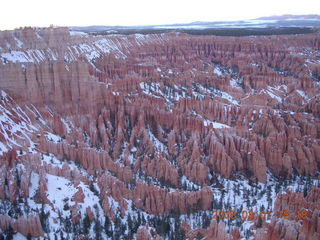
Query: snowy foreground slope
(148, 136)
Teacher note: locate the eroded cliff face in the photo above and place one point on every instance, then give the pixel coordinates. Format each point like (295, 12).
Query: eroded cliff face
(145, 123)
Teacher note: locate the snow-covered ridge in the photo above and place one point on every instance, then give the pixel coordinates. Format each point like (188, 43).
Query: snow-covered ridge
(176, 92)
(207, 122)
(28, 56)
(80, 44)
(19, 125)
(14, 125)
(77, 33)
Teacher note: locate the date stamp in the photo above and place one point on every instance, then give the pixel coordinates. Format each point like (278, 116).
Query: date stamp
(249, 215)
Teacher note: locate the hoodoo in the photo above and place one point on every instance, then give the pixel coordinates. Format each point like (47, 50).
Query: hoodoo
(143, 136)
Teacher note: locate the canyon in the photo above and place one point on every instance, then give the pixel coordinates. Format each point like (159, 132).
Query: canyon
(142, 136)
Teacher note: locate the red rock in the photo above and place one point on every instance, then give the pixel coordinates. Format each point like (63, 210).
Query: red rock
(79, 196)
(30, 226)
(143, 233)
(296, 227)
(90, 213)
(119, 133)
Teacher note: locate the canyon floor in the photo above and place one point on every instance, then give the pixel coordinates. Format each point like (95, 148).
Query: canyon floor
(148, 136)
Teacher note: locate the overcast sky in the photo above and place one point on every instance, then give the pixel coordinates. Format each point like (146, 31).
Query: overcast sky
(17, 13)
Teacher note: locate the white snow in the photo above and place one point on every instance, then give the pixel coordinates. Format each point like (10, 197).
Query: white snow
(274, 96)
(131, 159)
(282, 88)
(3, 148)
(34, 180)
(200, 91)
(28, 56)
(67, 124)
(113, 204)
(229, 98)
(78, 33)
(54, 161)
(207, 122)
(3, 94)
(241, 194)
(150, 89)
(107, 45)
(38, 36)
(15, 56)
(189, 184)
(10, 128)
(181, 27)
(254, 64)
(89, 51)
(53, 137)
(217, 71)
(140, 36)
(19, 236)
(159, 146)
(18, 42)
(234, 83)
(94, 50)
(59, 189)
(302, 94)
(272, 93)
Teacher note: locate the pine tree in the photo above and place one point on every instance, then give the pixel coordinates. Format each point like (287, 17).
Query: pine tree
(199, 236)
(44, 219)
(206, 220)
(259, 223)
(143, 220)
(130, 223)
(178, 232)
(305, 191)
(162, 225)
(118, 228)
(108, 227)
(86, 224)
(97, 229)
(9, 233)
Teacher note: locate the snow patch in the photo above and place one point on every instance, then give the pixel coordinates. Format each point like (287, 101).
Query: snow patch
(76, 33)
(34, 180)
(207, 122)
(217, 71)
(302, 94)
(53, 137)
(15, 57)
(18, 42)
(235, 83)
(60, 191)
(10, 127)
(159, 146)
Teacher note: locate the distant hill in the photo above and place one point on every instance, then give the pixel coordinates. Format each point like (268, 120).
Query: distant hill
(290, 16)
(273, 25)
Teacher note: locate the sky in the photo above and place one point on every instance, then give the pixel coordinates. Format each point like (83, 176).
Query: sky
(42, 13)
